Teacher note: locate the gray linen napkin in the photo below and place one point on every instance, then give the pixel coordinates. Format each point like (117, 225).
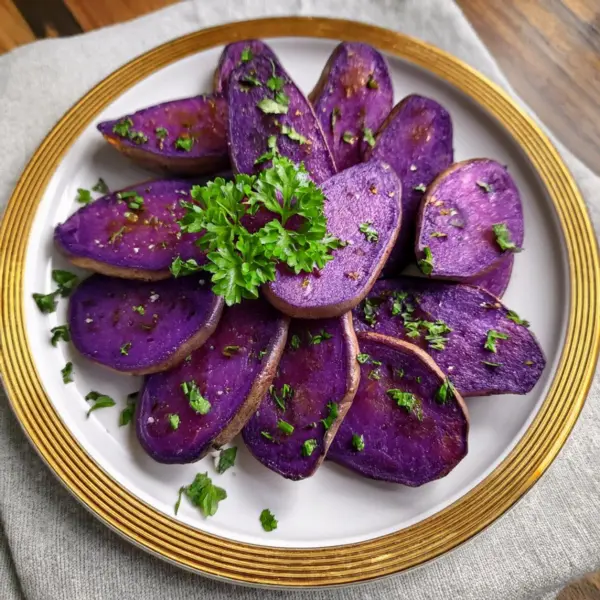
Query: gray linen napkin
(51, 548)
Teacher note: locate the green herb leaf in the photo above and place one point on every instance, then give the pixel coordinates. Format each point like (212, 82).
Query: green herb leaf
(127, 413)
(46, 303)
(137, 137)
(486, 187)
(229, 351)
(295, 342)
(101, 187)
(368, 137)
(251, 80)
(293, 134)
(420, 188)
(174, 421)
(308, 447)
(332, 416)
(268, 520)
(426, 264)
(491, 364)
(83, 196)
(180, 268)
(438, 234)
(371, 234)
(408, 401)
(60, 333)
(139, 309)
(446, 389)
(362, 358)
(399, 373)
(203, 494)
(267, 435)
(247, 54)
(348, 138)
(275, 83)
(372, 83)
(503, 238)
(371, 307)
(123, 126)
(66, 281)
(513, 316)
(271, 152)
(226, 459)
(286, 427)
(274, 107)
(320, 337)
(280, 398)
(185, 143)
(161, 133)
(358, 442)
(124, 349)
(67, 373)
(375, 374)
(492, 336)
(197, 401)
(99, 400)
(335, 114)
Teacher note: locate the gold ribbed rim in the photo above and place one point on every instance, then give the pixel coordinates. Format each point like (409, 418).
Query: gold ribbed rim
(363, 561)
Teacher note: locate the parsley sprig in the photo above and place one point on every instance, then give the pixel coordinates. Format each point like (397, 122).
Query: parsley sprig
(240, 261)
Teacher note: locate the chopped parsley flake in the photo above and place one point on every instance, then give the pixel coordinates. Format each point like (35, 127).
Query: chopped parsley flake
(280, 398)
(335, 113)
(139, 309)
(203, 494)
(293, 134)
(251, 80)
(271, 152)
(229, 351)
(407, 401)
(332, 416)
(438, 234)
(137, 137)
(247, 54)
(101, 187)
(275, 83)
(370, 233)
(180, 268)
(441, 396)
(84, 196)
(486, 187)
(362, 358)
(513, 316)
(372, 83)
(375, 374)
(184, 143)
(197, 401)
(60, 333)
(226, 459)
(161, 133)
(320, 337)
(420, 188)
(174, 421)
(267, 435)
(67, 373)
(358, 442)
(399, 373)
(491, 364)
(286, 427)
(492, 337)
(46, 302)
(99, 400)
(127, 413)
(309, 447)
(368, 137)
(371, 307)
(295, 342)
(268, 520)
(426, 263)
(279, 106)
(348, 138)
(122, 127)
(124, 349)
(117, 235)
(503, 238)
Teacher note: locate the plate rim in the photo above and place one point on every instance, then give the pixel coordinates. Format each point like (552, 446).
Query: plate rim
(239, 562)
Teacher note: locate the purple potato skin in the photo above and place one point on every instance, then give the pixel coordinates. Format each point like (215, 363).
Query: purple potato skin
(364, 193)
(416, 140)
(231, 59)
(85, 237)
(470, 312)
(250, 127)
(354, 92)
(179, 315)
(234, 386)
(318, 374)
(496, 281)
(398, 446)
(457, 205)
(202, 118)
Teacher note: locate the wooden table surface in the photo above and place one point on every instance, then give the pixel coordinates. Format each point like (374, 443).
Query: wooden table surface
(549, 50)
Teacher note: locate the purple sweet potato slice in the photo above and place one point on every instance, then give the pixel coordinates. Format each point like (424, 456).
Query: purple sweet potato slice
(406, 424)
(496, 281)
(488, 350)
(180, 137)
(294, 126)
(234, 55)
(141, 327)
(363, 209)
(470, 220)
(316, 382)
(352, 98)
(416, 140)
(232, 371)
(110, 237)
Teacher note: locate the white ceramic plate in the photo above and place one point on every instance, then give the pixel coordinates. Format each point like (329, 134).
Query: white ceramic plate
(335, 507)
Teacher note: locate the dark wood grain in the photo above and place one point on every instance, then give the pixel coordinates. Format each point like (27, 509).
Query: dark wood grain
(550, 52)
(48, 18)
(14, 30)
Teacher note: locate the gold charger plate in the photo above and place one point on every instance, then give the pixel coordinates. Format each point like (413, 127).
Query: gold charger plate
(360, 562)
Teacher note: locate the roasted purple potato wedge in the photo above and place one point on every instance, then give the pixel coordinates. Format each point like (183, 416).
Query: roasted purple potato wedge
(259, 115)
(123, 236)
(496, 281)
(180, 137)
(470, 220)
(352, 98)
(206, 400)
(416, 140)
(481, 345)
(407, 424)
(141, 327)
(234, 55)
(363, 209)
(316, 381)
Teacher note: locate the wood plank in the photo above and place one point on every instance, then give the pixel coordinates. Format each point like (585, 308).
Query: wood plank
(100, 13)
(14, 30)
(550, 52)
(48, 18)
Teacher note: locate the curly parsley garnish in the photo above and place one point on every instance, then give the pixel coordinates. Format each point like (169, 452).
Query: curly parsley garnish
(197, 401)
(503, 238)
(268, 520)
(67, 373)
(407, 401)
(492, 337)
(370, 233)
(179, 267)
(60, 333)
(203, 494)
